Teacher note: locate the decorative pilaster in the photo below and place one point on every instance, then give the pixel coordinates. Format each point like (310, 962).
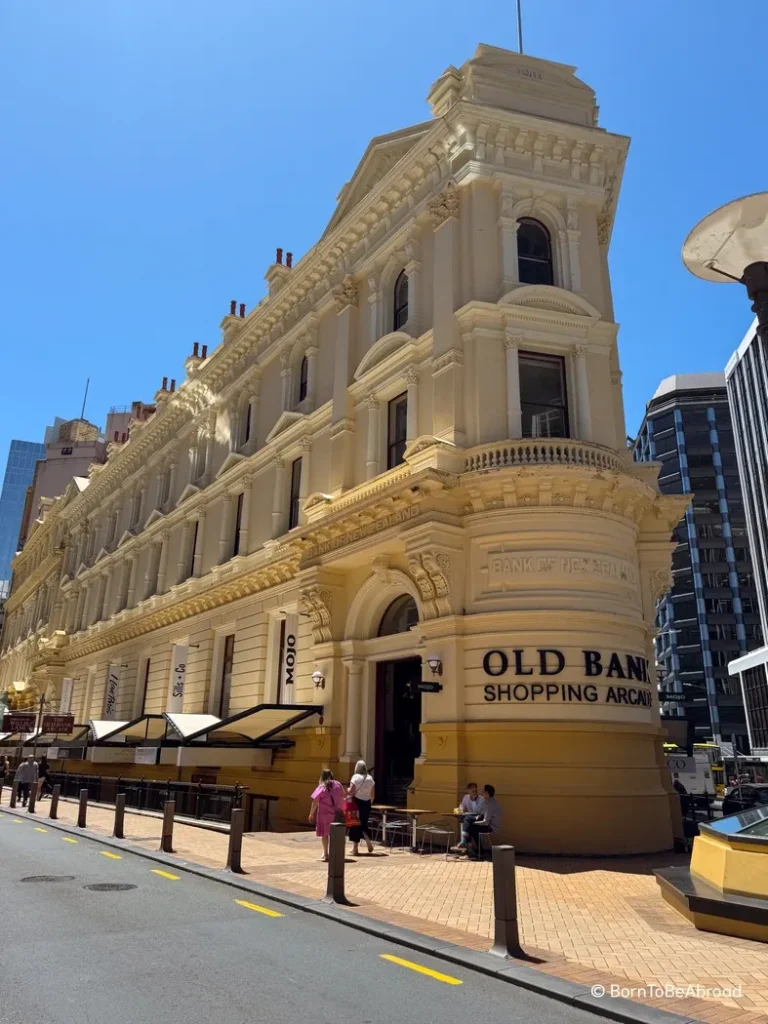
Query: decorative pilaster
(245, 516)
(210, 437)
(447, 402)
(150, 576)
(69, 621)
(278, 498)
(508, 226)
(354, 703)
(253, 416)
(225, 529)
(197, 555)
(375, 305)
(311, 357)
(372, 444)
(512, 342)
(130, 597)
(122, 587)
(185, 553)
(412, 381)
(172, 473)
(162, 563)
(234, 423)
(285, 375)
(583, 411)
(413, 273)
(82, 597)
(572, 238)
(342, 429)
(98, 604)
(304, 480)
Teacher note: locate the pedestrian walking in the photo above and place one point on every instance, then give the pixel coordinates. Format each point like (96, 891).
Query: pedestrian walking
(4, 768)
(361, 790)
(26, 777)
(44, 770)
(327, 803)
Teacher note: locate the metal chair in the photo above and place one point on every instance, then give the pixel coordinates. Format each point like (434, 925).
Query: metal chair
(398, 827)
(440, 828)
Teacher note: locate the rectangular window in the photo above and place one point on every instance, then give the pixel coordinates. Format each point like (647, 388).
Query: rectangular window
(293, 507)
(542, 395)
(397, 429)
(238, 521)
(226, 675)
(247, 431)
(193, 549)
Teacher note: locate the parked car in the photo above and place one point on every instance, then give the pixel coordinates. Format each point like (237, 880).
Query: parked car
(741, 798)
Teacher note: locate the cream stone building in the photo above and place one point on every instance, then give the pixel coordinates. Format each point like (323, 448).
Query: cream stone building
(412, 451)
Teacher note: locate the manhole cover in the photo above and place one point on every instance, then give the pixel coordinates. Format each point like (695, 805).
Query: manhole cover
(49, 878)
(109, 887)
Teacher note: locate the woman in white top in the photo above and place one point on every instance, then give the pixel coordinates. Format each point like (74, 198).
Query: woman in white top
(362, 790)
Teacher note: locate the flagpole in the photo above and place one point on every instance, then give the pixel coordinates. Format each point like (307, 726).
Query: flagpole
(519, 26)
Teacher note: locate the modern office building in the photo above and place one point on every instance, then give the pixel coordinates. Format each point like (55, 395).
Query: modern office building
(392, 515)
(710, 614)
(747, 379)
(19, 472)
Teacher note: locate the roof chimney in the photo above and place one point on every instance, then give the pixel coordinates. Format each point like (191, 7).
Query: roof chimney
(279, 256)
(117, 435)
(242, 309)
(232, 306)
(289, 260)
(196, 349)
(165, 384)
(205, 351)
(173, 384)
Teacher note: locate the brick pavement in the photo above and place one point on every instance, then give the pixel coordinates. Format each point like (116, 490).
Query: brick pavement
(585, 920)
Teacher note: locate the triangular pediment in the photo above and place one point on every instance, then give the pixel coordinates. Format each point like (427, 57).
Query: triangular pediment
(81, 568)
(286, 420)
(153, 517)
(231, 460)
(127, 535)
(102, 554)
(551, 299)
(188, 491)
(383, 152)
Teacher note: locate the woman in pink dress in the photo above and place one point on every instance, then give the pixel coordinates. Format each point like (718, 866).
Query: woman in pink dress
(327, 800)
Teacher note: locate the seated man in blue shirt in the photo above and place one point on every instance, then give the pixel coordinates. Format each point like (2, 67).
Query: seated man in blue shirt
(490, 822)
(471, 808)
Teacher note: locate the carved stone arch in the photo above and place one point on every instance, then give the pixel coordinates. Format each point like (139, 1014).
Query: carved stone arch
(379, 351)
(394, 266)
(373, 599)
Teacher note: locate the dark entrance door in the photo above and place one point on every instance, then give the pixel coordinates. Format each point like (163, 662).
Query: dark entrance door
(398, 717)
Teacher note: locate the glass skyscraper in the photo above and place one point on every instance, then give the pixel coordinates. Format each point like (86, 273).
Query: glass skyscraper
(19, 471)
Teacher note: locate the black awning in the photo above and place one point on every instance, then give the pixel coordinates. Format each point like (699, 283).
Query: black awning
(255, 726)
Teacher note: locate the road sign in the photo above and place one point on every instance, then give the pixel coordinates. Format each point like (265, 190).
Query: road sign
(19, 721)
(429, 687)
(667, 697)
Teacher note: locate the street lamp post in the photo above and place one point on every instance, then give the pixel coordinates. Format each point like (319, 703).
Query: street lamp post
(731, 244)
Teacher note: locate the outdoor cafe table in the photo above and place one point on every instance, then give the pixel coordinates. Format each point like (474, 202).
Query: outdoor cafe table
(413, 813)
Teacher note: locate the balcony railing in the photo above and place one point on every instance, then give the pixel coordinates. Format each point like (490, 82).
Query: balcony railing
(542, 452)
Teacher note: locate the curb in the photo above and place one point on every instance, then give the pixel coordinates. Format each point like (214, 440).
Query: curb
(619, 1009)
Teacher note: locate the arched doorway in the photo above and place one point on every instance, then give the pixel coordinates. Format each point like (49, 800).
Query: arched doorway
(398, 709)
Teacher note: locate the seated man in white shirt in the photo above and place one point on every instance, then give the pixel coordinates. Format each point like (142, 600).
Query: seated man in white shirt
(472, 807)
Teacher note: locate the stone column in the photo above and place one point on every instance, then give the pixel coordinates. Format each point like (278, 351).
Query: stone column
(354, 703)
(82, 594)
(234, 423)
(124, 573)
(413, 273)
(101, 600)
(572, 236)
(514, 411)
(311, 354)
(171, 499)
(192, 455)
(583, 410)
(285, 375)
(375, 304)
(278, 500)
(447, 363)
(197, 562)
(253, 412)
(69, 621)
(305, 478)
(140, 504)
(412, 426)
(130, 597)
(150, 576)
(185, 551)
(245, 516)
(162, 563)
(372, 444)
(225, 530)
(510, 273)
(210, 437)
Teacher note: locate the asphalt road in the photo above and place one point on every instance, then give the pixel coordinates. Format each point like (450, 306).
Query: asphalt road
(181, 950)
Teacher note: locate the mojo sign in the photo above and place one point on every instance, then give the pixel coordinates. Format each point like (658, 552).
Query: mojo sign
(616, 674)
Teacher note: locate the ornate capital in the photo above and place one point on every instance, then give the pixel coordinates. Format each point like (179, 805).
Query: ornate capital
(446, 205)
(453, 357)
(346, 294)
(411, 375)
(372, 401)
(660, 580)
(512, 340)
(279, 462)
(580, 351)
(316, 603)
(247, 481)
(306, 445)
(431, 572)
(572, 216)
(201, 514)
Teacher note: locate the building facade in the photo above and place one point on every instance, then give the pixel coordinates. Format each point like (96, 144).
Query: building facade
(747, 379)
(710, 615)
(19, 472)
(406, 464)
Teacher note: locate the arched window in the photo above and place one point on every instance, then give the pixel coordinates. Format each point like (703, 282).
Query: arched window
(399, 616)
(303, 378)
(401, 301)
(534, 253)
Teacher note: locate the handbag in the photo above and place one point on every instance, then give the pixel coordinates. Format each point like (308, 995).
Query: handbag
(351, 814)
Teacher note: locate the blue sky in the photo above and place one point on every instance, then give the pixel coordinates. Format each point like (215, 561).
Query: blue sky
(157, 151)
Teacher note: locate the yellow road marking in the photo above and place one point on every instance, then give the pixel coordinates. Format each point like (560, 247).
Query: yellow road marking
(68, 840)
(165, 874)
(40, 829)
(112, 856)
(446, 978)
(257, 908)
(17, 821)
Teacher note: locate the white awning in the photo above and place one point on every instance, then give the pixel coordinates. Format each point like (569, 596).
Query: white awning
(186, 724)
(101, 728)
(255, 725)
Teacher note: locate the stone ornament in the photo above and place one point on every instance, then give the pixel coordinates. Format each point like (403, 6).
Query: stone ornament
(346, 294)
(431, 572)
(316, 603)
(446, 205)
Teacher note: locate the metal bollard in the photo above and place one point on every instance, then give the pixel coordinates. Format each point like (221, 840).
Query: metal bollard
(506, 940)
(119, 830)
(14, 794)
(82, 810)
(54, 811)
(32, 798)
(235, 848)
(1, 791)
(335, 891)
(166, 843)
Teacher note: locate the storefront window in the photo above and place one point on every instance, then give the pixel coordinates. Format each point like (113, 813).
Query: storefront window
(542, 395)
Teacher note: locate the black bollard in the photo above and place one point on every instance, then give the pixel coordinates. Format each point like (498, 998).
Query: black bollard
(82, 810)
(1, 791)
(32, 798)
(166, 843)
(54, 811)
(14, 794)
(335, 891)
(235, 848)
(506, 941)
(119, 830)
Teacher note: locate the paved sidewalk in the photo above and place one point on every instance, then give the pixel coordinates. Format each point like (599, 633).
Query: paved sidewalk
(595, 922)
